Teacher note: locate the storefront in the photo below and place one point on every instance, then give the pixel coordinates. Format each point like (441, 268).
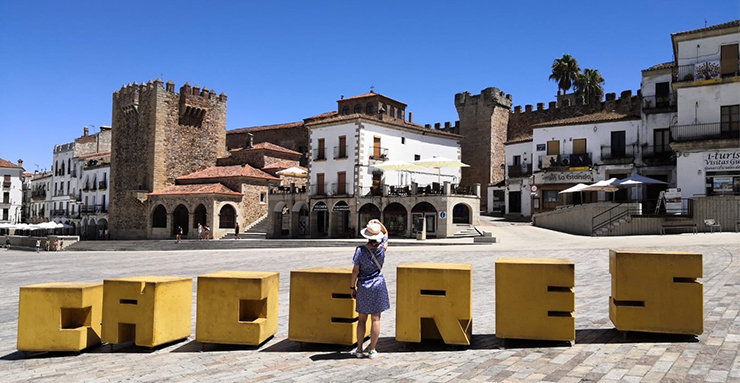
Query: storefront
(709, 173)
(546, 195)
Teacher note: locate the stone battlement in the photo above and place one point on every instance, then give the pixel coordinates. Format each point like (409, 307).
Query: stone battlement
(488, 95)
(130, 93)
(624, 104)
(448, 127)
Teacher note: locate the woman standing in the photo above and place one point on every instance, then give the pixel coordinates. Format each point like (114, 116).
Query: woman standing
(368, 284)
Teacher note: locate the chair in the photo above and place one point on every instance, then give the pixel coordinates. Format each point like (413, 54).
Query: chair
(436, 188)
(393, 190)
(711, 223)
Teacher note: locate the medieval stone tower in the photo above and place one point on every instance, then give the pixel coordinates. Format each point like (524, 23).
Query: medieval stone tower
(483, 123)
(157, 136)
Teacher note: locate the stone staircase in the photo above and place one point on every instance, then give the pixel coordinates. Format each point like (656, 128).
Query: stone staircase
(612, 225)
(256, 230)
(469, 232)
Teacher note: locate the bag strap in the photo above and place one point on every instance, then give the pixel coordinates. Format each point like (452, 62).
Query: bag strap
(375, 260)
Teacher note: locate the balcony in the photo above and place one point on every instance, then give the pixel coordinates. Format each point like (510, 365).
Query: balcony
(92, 209)
(519, 171)
(658, 155)
(288, 190)
(6, 184)
(319, 154)
(702, 71)
(378, 153)
(701, 132)
(339, 188)
(86, 187)
(102, 185)
(38, 194)
(658, 104)
(340, 152)
(618, 154)
(73, 174)
(319, 189)
(58, 212)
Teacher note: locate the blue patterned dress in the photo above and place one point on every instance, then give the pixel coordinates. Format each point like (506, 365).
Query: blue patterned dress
(372, 294)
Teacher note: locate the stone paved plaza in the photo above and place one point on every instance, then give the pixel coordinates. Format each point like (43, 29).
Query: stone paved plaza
(599, 354)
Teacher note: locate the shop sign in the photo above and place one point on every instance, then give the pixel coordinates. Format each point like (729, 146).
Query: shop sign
(565, 177)
(339, 207)
(722, 160)
(320, 207)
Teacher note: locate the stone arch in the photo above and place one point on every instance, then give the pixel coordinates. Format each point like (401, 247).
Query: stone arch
(299, 206)
(227, 217)
(462, 213)
(200, 215)
(395, 219)
(159, 216)
(180, 218)
(280, 207)
(367, 212)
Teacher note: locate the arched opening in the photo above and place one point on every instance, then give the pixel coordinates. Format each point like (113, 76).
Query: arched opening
(367, 212)
(341, 218)
(102, 228)
(159, 217)
(282, 219)
(357, 109)
(322, 218)
(461, 214)
(369, 108)
(394, 219)
(303, 219)
(200, 216)
(227, 217)
(423, 214)
(180, 219)
(345, 110)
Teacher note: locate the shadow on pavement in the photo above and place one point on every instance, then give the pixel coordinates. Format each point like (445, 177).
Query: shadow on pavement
(195, 346)
(612, 335)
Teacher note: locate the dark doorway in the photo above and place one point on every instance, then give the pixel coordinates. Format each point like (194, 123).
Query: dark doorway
(159, 217)
(515, 202)
(200, 216)
(180, 219)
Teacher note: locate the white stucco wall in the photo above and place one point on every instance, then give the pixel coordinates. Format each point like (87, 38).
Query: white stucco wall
(691, 175)
(331, 166)
(704, 49)
(15, 194)
(701, 104)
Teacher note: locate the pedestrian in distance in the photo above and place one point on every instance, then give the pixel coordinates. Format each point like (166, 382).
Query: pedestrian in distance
(7, 243)
(368, 285)
(56, 245)
(207, 232)
(200, 231)
(236, 231)
(38, 246)
(48, 243)
(179, 234)
(61, 244)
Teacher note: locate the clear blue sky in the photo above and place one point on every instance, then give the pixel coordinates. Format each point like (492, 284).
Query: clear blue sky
(282, 61)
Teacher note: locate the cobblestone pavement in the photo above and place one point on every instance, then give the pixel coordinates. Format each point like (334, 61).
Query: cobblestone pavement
(599, 354)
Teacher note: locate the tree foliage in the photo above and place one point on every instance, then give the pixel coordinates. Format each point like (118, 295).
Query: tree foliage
(565, 71)
(589, 83)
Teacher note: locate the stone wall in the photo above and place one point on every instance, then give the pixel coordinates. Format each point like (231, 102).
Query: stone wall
(157, 136)
(258, 158)
(291, 136)
(483, 122)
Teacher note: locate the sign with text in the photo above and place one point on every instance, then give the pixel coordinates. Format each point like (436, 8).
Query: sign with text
(722, 160)
(563, 177)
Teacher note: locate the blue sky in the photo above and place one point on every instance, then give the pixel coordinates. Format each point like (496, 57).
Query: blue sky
(282, 61)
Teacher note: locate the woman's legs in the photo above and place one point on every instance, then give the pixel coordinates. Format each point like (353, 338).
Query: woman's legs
(361, 330)
(374, 330)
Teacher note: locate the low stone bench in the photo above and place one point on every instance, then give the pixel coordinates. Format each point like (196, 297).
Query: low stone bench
(676, 225)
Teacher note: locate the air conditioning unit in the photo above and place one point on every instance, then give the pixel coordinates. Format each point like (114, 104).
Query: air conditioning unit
(548, 161)
(565, 161)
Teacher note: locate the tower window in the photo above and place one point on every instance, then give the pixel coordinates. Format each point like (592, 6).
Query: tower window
(358, 109)
(369, 108)
(345, 110)
(393, 111)
(399, 114)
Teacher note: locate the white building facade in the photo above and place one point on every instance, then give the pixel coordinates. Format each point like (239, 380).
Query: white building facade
(11, 187)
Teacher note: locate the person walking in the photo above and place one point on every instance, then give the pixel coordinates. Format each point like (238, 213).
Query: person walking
(200, 231)
(236, 231)
(179, 234)
(38, 246)
(7, 243)
(368, 285)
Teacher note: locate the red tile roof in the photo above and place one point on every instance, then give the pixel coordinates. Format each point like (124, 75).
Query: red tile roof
(8, 164)
(588, 118)
(282, 165)
(95, 155)
(245, 171)
(729, 24)
(273, 147)
(371, 94)
(667, 65)
(216, 188)
(400, 123)
(266, 127)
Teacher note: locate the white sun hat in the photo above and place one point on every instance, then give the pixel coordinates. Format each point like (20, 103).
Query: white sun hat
(372, 231)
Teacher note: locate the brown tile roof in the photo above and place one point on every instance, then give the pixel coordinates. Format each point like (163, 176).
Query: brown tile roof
(588, 118)
(27, 174)
(733, 23)
(667, 65)
(322, 115)
(399, 123)
(86, 139)
(245, 171)
(216, 188)
(282, 165)
(8, 164)
(266, 127)
(519, 140)
(273, 147)
(95, 155)
(371, 94)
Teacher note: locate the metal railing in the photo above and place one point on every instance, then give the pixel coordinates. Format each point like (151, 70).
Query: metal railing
(378, 154)
(698, 132)
(684, 208)
(6, 184)
(38, 193)
(653, 102)
(339, 188)
(706, 70)
(340, 152)
(626, 152)
(519, 171)
(318, 189)
(578, 160)
(90, 209)
(288, 190)
(370, 191)
(102, 185)
(319, 154)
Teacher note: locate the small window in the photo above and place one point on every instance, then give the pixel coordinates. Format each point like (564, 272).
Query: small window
(263, 197)
(384, 109)
(393, 111)
(417, 157)
(358, 109)
(403, 140)
(369, 108)
(399, 114)
(550, 196)
(517, 160)
(345, 110)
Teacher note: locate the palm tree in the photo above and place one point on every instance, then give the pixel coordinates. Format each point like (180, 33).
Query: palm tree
(589, 83)
(564, 71)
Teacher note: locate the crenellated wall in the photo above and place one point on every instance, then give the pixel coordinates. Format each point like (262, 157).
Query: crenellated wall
(157, 136)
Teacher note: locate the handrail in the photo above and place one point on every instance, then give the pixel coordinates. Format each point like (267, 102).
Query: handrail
(596, 226)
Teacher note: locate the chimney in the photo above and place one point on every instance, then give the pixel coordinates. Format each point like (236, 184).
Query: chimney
(20, 162)
(250, 140)
(411, 117)
(85, 131)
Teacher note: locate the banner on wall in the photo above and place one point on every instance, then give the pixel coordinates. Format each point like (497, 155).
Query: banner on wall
(714, 161)
(563, 177)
